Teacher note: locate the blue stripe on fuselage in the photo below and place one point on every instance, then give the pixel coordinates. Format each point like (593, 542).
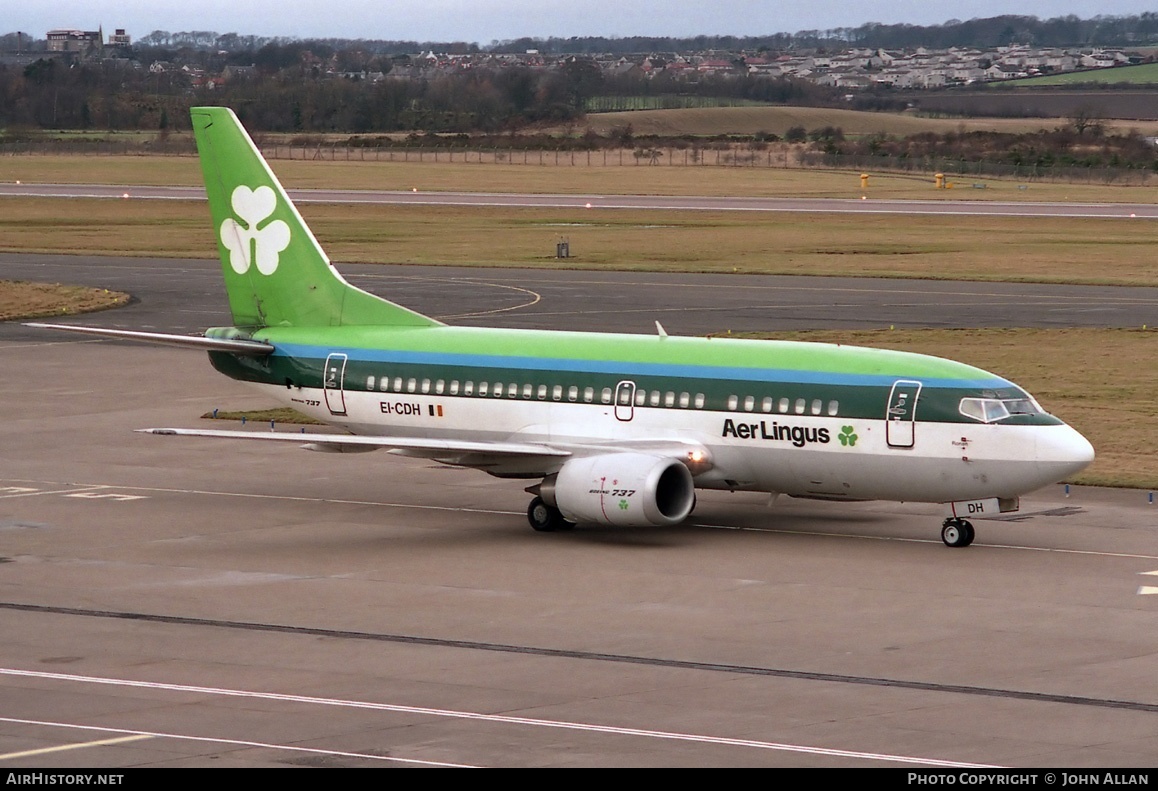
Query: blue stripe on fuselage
(628, 369)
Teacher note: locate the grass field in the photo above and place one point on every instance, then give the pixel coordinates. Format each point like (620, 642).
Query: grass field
(566, 179)
(1143, 74)
(779, 119)
(742, 120)
(21, 300)
(1057, 250)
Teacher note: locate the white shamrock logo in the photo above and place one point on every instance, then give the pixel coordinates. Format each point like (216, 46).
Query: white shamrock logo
(260, 246)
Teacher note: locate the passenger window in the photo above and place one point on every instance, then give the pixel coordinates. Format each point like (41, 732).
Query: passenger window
(685, 399)
(800, 406)
(833, 407)
(699, 400)
(482, 388)
(528, 390)
(411, 385)
(783, 405)
(733, 402)
(439, 386)
(588, 394)
(454, 387)
(669, 398)
(605, 396)
(572, 393)
(468, 388)
(542, 394)
(384, 384)
(369, 383)
(513, 390)
(816, 406)
(749, 403)
(766, 405)
(426, 385)
(557, 393)
(397, 384)
(653, 399)
(640, 397)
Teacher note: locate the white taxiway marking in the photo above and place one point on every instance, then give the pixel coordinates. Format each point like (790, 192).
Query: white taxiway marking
(287, 497)
(931, 541)
(1147, 590)
(420, 507)
(136, 735)
(475, 716)
(77, 746)
(9, 492)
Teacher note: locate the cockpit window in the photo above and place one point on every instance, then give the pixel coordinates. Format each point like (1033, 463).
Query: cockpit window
(991, 410)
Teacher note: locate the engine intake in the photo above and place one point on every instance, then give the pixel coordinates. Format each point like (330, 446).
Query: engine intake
(629, 489)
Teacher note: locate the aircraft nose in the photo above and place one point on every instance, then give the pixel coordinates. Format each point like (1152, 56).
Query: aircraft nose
(1062, 452)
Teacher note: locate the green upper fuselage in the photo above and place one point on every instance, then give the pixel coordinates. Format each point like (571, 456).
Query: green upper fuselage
(724, 371)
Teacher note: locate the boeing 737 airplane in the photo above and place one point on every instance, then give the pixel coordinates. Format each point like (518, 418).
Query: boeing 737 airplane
(612, 429)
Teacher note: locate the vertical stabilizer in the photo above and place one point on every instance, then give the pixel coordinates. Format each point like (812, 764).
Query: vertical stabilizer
(275, 271)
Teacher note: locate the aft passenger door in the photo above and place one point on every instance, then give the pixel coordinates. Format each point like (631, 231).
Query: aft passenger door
(901, 417)
(332, 382)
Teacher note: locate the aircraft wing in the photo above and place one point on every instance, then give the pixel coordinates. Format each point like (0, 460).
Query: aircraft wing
(351, 443)
(235, 345)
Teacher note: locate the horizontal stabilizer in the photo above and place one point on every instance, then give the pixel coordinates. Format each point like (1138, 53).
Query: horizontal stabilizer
(235, 345)
(347, 442)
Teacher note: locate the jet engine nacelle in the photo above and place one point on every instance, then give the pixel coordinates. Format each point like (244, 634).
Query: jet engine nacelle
(630, 489)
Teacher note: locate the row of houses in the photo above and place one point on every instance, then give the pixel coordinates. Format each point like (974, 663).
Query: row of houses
(926, 68)
(851, 69)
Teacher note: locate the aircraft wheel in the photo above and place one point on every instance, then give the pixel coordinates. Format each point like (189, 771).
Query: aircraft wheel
(546, 518)
(957, 533)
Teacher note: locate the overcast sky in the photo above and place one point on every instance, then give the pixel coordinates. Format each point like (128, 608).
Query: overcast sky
(484, 21)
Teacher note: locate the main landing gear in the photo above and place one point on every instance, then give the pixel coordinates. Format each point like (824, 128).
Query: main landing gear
(546, 518)
(957, 532)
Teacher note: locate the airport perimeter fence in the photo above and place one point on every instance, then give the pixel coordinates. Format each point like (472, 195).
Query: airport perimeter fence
(741, 155)
(733, 156)
(957, 169)
(183, 146)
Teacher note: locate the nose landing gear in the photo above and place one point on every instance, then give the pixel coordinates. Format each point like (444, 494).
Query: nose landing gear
(957, 532)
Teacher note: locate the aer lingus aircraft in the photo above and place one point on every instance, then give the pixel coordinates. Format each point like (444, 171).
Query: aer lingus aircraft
(614, 429)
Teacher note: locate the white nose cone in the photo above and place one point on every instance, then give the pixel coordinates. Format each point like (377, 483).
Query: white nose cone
(1062, 452)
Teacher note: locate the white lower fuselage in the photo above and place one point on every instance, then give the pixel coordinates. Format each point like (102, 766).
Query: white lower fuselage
(796, 454)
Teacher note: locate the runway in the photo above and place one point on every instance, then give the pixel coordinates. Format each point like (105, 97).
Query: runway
(171, 602)
(595, 201)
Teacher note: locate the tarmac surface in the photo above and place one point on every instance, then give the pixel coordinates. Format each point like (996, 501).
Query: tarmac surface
(186, 602)
(185, 295)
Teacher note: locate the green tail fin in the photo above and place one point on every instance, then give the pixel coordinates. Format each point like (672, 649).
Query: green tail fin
(276, 273)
